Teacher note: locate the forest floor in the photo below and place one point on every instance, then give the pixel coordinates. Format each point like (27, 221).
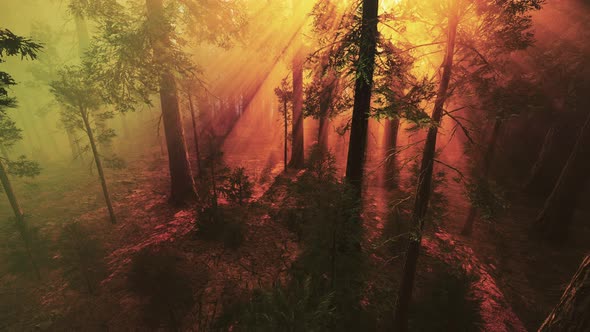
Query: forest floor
(516, 281)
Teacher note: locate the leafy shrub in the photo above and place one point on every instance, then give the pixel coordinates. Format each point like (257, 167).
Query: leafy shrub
(296, 307)
(224, 224)
(446, 303)
(487, 198)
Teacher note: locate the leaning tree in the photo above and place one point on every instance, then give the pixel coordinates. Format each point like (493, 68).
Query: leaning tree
(83, 110)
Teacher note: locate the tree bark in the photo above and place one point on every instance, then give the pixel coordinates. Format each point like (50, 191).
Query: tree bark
(571, 313)
(362, 95)
(182, 183)
(9, 191)
(195, 134)
(390, 143)
(297, 144)
(329, 86)
(98, 162)
(554, 220)
(424, 185)
(487, 165)
(286, 133)
(541, 159)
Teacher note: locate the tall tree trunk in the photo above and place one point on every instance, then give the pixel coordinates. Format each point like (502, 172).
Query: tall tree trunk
(390, 144)
(424, 185)
(362, 95)
(541, 159)
(182, 182)
(571, 313)
(483, 178)
(98, 162)
(195, 134)
(554, 220)
(297, 144)
(329, 86)
(323, 132)
(18, 213)
(4, 151)
(286, 133)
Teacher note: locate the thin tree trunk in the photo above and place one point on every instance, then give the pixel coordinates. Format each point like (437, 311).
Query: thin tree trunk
(390, 143)
(571, 313)
(98, 162)
(424, 186)
(195, 133)
(297, 144)
(554, 220)
(182, 182)
(18, 213)
(487, 165)
(362, 95)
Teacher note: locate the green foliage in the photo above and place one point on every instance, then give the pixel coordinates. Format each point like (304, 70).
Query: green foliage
(13, 45)
(22, 167)
(292, 307)
(238, 187)
(438, 206)
(326, 212)
(160, 276)
(284, 93)
(397, 92)
(212, 179)
(82, 102)
(135, 46)
(487, 197)
(82, 257)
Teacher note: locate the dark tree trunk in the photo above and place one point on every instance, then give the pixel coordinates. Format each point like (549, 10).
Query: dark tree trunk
(286, 133)
(572, 312)
(323, 132)
(329, 86)
(181, 178)
(424, 185)
(554, 220)
(9, 191)
(487, 165)
(297, 144)
(195, 134)
(535, 173)
(98, 162)
(390, 144)
(362, 95)
(18, 213)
